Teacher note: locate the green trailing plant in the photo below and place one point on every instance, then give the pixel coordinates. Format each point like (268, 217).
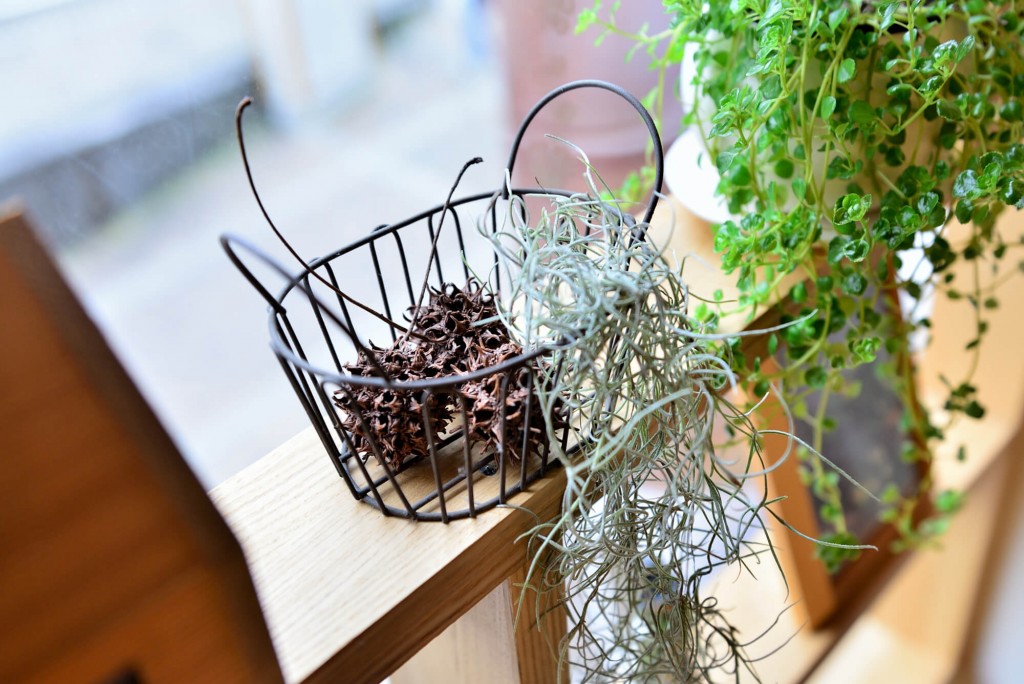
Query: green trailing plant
(666, 485)
(846, 135)
(457, 332)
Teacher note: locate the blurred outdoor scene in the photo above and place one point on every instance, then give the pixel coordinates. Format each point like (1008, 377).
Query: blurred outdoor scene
(120, 141)
(117, 133)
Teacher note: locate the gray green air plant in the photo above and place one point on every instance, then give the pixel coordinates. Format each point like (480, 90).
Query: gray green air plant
(667, 486)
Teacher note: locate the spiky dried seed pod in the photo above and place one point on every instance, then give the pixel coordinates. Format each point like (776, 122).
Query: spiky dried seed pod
(500, 422)
(458, 331)
(454, 320)
(391, 418)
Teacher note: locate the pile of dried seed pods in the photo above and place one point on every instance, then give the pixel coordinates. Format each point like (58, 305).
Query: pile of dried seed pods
(458, 331)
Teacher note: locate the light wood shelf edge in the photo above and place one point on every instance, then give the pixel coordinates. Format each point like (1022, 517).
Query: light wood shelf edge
(348, 594)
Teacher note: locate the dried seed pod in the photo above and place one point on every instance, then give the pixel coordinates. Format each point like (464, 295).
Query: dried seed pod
(392, 418)
(458, 331)
(501, 425)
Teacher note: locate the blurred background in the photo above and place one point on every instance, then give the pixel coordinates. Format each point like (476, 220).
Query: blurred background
(119, 138)
(117, 134)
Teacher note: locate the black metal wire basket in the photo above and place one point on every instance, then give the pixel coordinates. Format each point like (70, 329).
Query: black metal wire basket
(429, 441)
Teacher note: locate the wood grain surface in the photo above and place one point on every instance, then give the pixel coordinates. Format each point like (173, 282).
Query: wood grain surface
(475, 648)
(349, 594)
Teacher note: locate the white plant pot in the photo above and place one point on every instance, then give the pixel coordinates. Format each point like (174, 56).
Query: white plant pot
(692, 176)
(693, 179)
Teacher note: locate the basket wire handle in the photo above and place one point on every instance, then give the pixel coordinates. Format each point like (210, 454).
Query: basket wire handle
(659, 154)
(231, 242)
(432, 256)
(242, 106)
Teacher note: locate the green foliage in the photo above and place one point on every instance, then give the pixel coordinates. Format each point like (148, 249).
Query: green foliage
(834, 557)
(845, 133)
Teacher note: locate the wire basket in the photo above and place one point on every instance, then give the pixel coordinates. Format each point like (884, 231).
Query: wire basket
(412, 435)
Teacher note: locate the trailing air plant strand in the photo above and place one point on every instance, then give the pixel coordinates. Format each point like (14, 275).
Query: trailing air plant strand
(667, 485)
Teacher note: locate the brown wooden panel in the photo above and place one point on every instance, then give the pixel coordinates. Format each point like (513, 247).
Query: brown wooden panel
(174, 633)
(101, 519)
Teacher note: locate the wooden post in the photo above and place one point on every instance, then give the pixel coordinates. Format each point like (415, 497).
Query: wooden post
(349, 594)
(539, 631)
(489, 643)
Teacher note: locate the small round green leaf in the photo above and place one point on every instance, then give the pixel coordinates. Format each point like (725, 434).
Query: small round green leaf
(828, 106)
(966, 185)
(847, 70)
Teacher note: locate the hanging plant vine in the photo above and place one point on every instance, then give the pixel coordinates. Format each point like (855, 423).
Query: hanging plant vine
(846, 134)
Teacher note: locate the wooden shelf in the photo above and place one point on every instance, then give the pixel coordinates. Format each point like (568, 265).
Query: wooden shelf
(348, 594)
